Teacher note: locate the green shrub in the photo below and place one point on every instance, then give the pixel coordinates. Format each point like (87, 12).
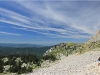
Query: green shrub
(49, 57)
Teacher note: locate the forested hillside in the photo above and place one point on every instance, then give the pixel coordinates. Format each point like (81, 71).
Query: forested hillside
(21, 51)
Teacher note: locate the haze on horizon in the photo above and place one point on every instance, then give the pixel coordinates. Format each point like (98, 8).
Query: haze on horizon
(48, 22)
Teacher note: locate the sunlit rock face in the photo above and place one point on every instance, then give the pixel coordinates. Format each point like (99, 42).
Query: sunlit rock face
(95, 38)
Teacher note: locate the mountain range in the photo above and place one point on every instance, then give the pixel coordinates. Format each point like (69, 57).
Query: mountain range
(19, 45)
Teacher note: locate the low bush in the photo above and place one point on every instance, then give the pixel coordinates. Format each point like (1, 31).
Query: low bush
(49, 57)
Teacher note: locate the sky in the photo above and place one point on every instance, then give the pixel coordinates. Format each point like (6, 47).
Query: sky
(48, 22)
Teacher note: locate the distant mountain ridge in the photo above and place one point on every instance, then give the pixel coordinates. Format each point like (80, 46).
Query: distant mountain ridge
(19, 45)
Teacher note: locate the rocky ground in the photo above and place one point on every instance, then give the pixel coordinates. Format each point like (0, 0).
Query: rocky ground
(76, 64)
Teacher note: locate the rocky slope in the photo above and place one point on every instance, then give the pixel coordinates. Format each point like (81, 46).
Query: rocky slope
(95, 38)
(94, 42)
(75, 64)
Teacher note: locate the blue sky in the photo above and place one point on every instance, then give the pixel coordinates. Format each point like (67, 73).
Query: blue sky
(48, 22)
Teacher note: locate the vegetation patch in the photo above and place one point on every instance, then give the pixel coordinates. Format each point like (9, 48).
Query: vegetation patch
(49, 57)
(65, 49)
(18, 63)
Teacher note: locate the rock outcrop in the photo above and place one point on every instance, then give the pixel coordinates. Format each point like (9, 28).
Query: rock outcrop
(95, 38)
(64, 49)
(94, 42)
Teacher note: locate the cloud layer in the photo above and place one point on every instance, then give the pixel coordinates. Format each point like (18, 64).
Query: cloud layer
(57, 19)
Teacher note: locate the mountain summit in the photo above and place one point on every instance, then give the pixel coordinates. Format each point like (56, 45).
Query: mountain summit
(95, 38)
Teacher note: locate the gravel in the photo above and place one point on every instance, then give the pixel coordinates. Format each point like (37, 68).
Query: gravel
(76, 64)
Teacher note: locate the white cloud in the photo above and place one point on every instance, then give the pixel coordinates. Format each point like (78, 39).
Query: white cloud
(8, 33)
(13, 16)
